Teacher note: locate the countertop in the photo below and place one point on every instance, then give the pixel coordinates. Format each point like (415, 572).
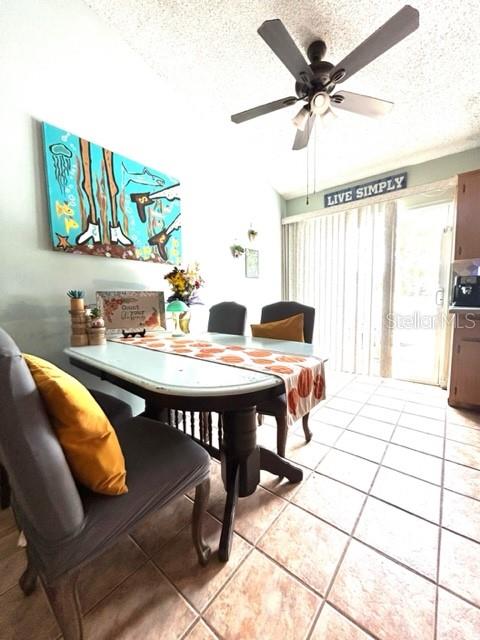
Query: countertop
(455, 309)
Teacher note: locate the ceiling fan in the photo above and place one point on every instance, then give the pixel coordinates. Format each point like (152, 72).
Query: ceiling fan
(315, 82)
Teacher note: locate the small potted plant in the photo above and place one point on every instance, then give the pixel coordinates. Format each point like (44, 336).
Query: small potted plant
(96, 329)
(237, 250)
(252, 234)
(96, 320)
(77, 302)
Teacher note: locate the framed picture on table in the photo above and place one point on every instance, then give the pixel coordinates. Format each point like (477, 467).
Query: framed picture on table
(132, 310)
(251, 263)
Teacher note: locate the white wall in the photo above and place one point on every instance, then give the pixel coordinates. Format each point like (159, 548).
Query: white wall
(61, 64)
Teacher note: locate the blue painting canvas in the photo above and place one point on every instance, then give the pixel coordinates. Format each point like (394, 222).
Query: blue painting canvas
(103, 204)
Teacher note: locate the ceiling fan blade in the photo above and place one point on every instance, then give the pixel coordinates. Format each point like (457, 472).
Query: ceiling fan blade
(263, 109)
(302, 137)
(364, 105)
(398, 27)
(281, 43)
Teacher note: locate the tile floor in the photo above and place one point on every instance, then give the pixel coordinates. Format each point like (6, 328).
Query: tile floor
(380, 540)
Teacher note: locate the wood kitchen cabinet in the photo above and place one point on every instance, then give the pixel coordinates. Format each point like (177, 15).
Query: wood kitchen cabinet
(465, 370)
(467, 231)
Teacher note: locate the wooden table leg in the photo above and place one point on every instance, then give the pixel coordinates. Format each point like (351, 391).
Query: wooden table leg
(240, 467)
(270, 461)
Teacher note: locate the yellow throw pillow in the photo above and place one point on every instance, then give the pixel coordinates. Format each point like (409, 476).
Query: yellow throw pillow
(289, 329)
(87, 438)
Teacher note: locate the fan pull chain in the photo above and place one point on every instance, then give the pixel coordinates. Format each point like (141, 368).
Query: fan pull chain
(307, 201)
(315, 157)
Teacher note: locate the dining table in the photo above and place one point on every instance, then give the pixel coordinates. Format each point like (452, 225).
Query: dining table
(176, 387)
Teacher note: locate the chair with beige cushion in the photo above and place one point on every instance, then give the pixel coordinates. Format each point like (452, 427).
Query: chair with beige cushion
(278, 407)
(65, 524)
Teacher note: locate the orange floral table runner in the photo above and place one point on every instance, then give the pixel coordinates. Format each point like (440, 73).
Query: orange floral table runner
(303, 376)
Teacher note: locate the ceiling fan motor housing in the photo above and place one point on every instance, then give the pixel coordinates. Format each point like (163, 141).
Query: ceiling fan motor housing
(321, 72)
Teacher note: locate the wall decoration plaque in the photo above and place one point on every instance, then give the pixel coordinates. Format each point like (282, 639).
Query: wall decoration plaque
(132, 310)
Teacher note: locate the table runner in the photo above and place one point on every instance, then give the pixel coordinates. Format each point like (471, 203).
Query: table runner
(303, 376)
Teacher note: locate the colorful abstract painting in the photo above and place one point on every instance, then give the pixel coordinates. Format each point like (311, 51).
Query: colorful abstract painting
(103, 204)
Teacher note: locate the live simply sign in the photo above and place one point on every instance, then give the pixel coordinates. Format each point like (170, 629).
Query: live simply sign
(366, 190)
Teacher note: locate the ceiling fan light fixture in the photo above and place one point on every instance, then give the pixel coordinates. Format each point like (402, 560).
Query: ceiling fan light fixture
(301, 119)
(320, 103)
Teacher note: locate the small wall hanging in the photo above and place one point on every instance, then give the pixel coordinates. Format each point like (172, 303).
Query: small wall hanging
(251, 263)
(237, 250)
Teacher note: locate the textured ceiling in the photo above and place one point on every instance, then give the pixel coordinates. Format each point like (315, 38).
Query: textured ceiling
(210, 54)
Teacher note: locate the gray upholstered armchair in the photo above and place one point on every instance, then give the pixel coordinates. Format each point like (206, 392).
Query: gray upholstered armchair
(66, 525)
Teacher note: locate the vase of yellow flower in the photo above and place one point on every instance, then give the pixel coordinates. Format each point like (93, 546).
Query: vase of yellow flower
(185, 284)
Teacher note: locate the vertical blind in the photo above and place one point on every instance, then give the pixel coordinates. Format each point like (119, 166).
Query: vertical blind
(337, 263)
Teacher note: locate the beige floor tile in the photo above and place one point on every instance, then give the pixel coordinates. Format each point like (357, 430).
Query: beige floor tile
(417, 464)
(389, 392)
(23, 618)
(342, 404)
(7, 522)
(348, 468)
(360, 445)
(423, 442)
(411, 494)
(390, 601)
(388, 403)
(306, 546)
(254, 514)
(262, 601)
(161, 526)
(178, 560)
(307, 454)
(331, 625)
(321, 432)
(400, 535)
(461, 514)
(144, 606)
(460, 566)
(465, 418)
(463, 454)
(12, 561)
(354, 394)
(467, 435)
(333, 416)
(462, 479)
(457, 620)
(330, 500)
(99, 577)
(422, 423)
(200, 631)
(380, 413)
(435, 413)
(371, 427)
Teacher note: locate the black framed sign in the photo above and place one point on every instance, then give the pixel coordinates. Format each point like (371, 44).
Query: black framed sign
(366, 190)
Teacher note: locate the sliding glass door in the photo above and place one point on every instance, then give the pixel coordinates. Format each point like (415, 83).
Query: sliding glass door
(375, 275)
(420, 291)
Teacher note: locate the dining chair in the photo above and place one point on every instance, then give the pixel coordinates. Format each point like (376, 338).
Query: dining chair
(115, 409)
(227, 317)
(278, 407)
(66, 525)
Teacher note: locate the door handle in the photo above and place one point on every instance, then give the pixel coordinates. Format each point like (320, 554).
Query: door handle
(440, 297)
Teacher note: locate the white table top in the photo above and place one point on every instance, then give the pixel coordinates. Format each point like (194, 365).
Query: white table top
(173, 374)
